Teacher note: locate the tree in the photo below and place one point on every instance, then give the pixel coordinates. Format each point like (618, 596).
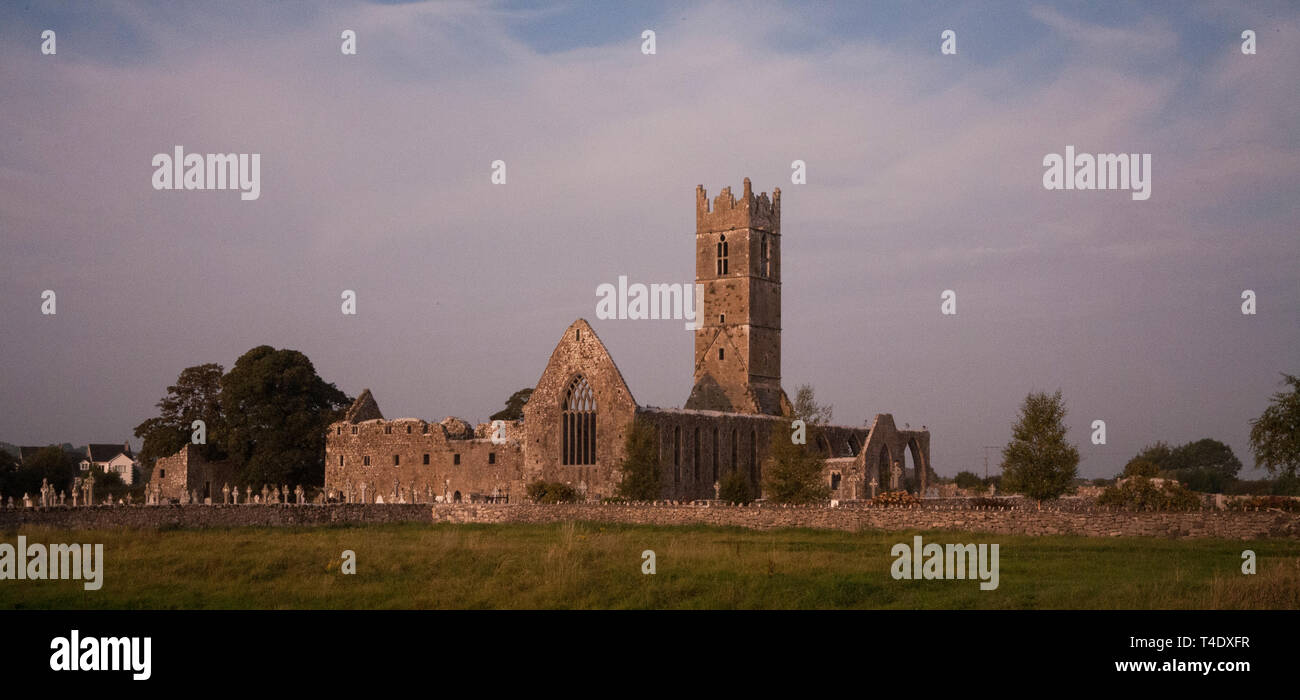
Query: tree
(808, 410)
(514, 409)
(196, 395)
(640, 465)
(793, 473)
(1159, 454)
(1275, 435)
(968, 480)
(1038, 461)
(51, 463)
(276, 412)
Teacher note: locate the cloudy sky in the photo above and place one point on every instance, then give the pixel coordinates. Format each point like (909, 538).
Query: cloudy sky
(924, 174)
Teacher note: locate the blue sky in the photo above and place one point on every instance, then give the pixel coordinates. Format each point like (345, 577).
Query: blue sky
(924, 175)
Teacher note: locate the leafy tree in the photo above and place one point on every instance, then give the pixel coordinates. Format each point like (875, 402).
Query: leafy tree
(1038, 461)
(1275, 435)
(1141, 467)
(1207, 454)
(792, 473)
(196, 395)
(51, 463)
(640, 465)
(968, 480)
(551, 492)
(276, 412)
(735, 488)
(1159, 454)
(808, 410)
(514, 409)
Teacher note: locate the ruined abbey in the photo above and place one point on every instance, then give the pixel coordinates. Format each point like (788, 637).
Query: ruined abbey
(576, 420)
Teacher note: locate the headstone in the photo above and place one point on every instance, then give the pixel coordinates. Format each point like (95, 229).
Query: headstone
(297, 494)
(62, 495)
(894, 472)
(27, 501)
(717, 490)
(363, 492)
(379, 499)
(225, 494)
(873, 485)
(90, 490)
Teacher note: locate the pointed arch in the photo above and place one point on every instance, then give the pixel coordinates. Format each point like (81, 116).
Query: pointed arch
(578, 423)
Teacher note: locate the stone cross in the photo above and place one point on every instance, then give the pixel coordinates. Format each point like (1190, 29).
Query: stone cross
(285, 492)
(76, 487)
(265, 492)
(45, 493)
(62, 495)
(90, 490)
(27, 500)
(873, 485)
(894, 472)
(395, 487)
(363, 492)
(297, 494)
(717, 490)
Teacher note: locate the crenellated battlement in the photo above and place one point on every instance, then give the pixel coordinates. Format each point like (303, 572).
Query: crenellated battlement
(728, 213)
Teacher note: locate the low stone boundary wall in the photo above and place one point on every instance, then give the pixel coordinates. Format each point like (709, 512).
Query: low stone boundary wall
(1009, 521)
(852, 518)
(168, 516)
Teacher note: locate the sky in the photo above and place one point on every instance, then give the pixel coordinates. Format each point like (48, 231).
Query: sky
(924, 174)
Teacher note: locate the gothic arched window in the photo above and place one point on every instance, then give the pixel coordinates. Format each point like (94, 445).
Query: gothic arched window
(578, 423)
(722, 254)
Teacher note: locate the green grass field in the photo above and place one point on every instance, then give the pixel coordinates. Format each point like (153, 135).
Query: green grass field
(586, 565)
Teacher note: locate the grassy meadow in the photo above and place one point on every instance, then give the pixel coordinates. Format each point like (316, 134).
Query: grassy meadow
(588, 565)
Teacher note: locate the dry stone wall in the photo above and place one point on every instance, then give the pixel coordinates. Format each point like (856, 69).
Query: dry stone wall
(1010, 521)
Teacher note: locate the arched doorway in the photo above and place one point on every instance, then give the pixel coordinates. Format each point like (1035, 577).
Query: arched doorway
(917, 469)
(455, 498)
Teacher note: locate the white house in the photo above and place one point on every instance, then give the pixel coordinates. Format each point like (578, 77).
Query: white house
(117, 459)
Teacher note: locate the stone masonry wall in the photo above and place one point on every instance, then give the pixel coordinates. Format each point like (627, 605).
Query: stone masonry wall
(1218, 524)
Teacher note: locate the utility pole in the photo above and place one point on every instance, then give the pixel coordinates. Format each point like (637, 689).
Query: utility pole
(986, 459)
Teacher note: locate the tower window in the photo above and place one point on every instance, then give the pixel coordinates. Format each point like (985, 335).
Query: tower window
(455, 458)
(578, 424)
(397, 460)
(388, 430)
(721, 354)
(492, 458)
(340, 460)
(677, 455)
(338, 431)
(695, 455)
(722, 318)
(722, 254)
(354, 430)
(365, 461)
(426, 457)
(715, 455)
(408, 430)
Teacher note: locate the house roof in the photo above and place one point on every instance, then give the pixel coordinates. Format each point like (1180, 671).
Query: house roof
(100, 452)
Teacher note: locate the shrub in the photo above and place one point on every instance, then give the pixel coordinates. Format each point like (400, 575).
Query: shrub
(1289, 505)
(895, 498)
(735, 488)
(551, 492)
(1138, 493)
(968, 480)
